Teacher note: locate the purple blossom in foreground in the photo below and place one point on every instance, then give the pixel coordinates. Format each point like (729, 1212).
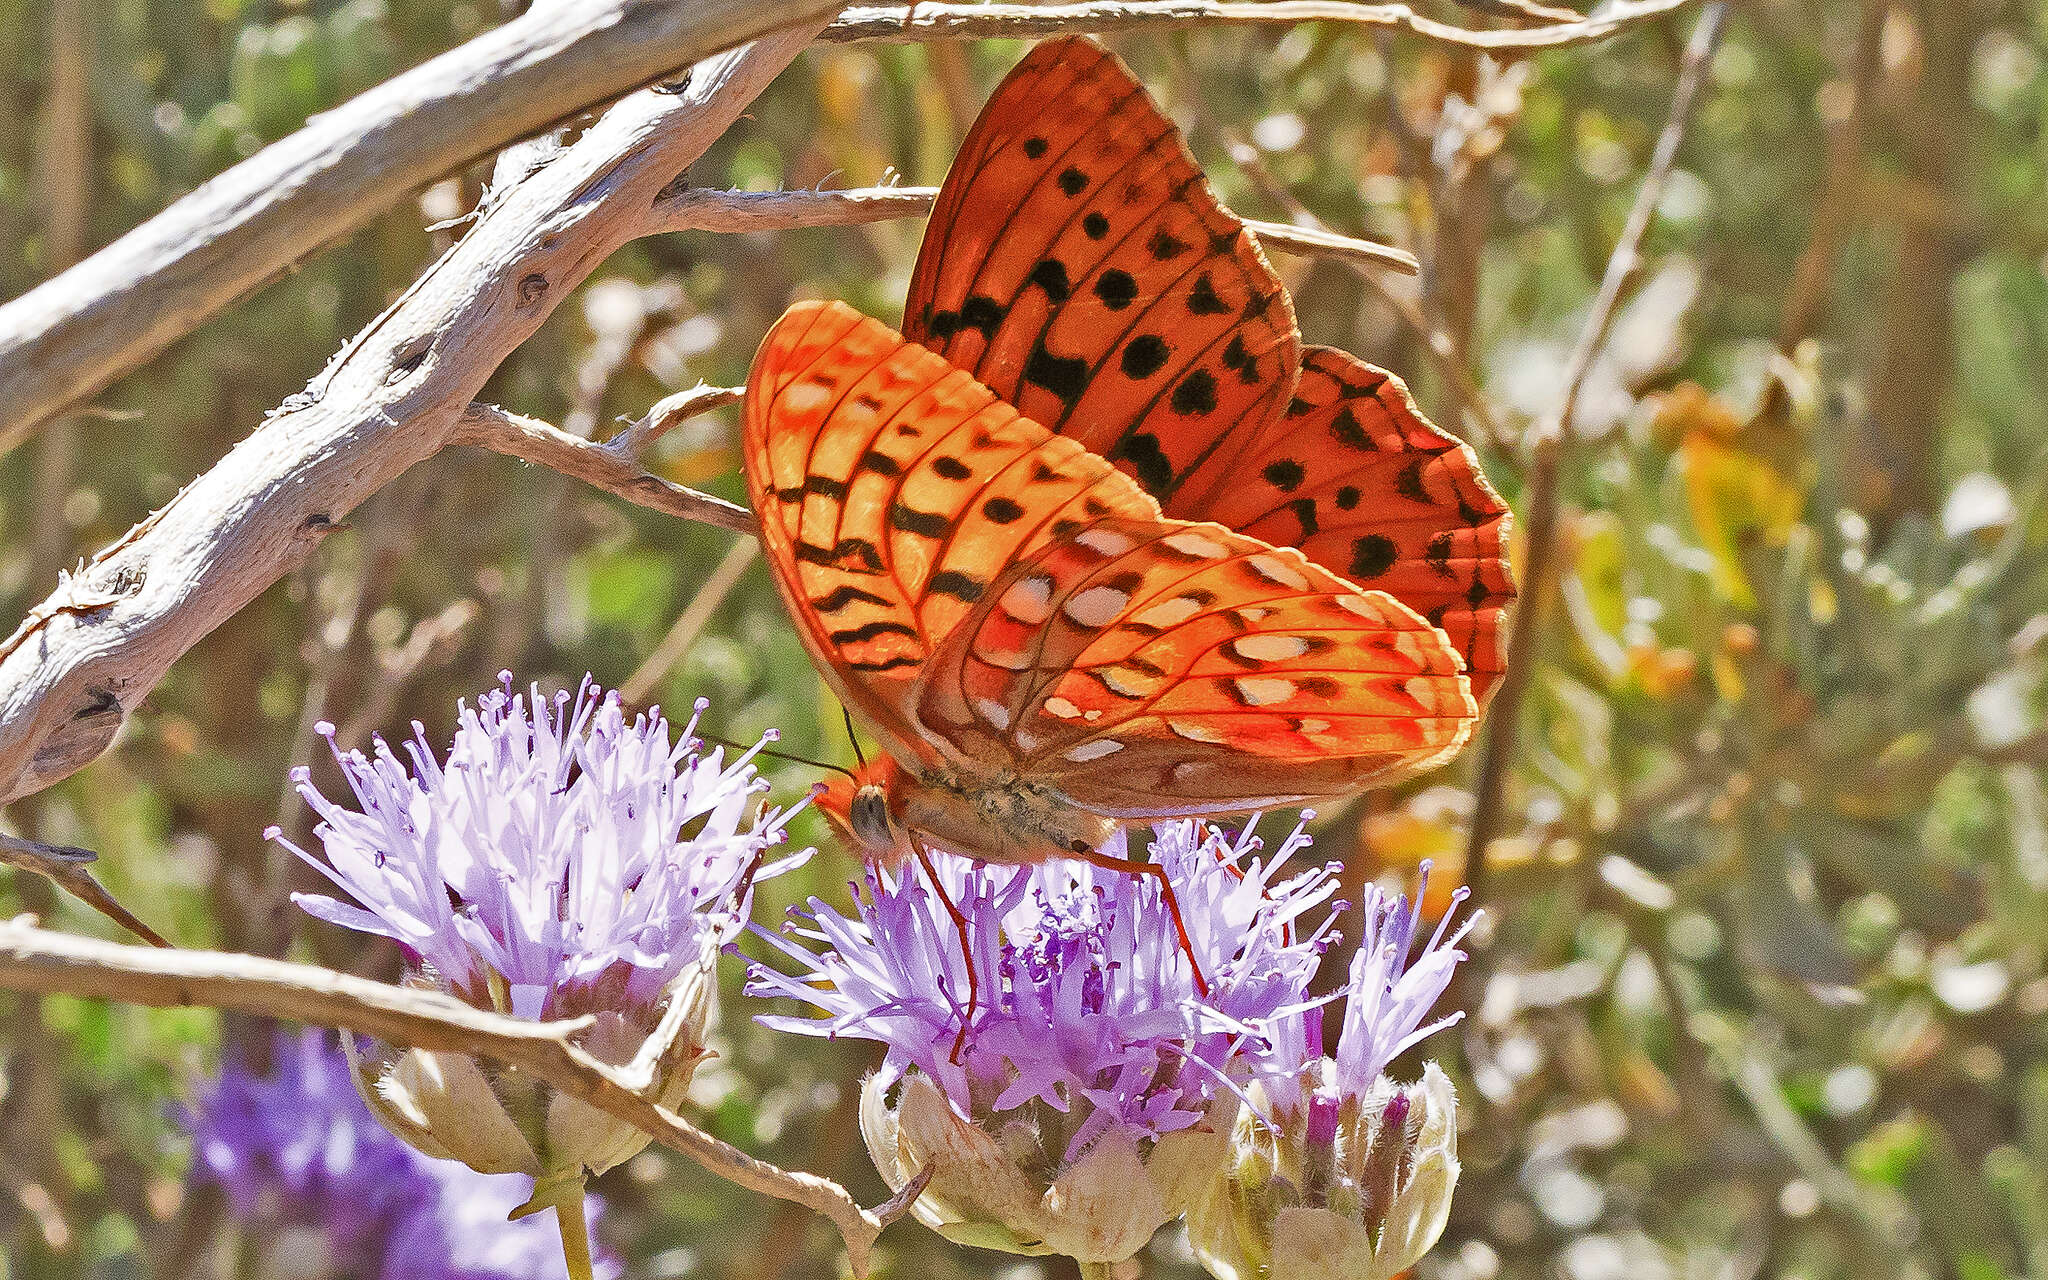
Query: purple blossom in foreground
(1387, 999)
(1334, 1171)
(325, 1191)
(1087, 1005)
(548, 858)
(1094, 1085)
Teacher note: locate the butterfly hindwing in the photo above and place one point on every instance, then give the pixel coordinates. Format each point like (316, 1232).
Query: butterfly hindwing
(1078, 264)
(1152, 667)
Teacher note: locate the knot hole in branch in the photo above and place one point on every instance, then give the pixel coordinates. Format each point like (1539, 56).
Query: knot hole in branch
(408, 362)
(676, 186)
(532, 288)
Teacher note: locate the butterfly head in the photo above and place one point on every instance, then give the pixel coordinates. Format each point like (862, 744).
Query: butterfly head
(865, 810)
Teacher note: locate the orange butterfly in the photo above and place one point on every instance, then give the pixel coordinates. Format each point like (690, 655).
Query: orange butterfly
(1058, 629)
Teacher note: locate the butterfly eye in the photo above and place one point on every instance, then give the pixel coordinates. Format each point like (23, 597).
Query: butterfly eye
(869, 817)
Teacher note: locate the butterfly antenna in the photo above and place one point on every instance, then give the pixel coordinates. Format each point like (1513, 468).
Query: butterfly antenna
(854, 738)
(776, 755)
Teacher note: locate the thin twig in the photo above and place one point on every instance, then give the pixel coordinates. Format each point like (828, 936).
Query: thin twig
(1316, 238)
(1521, 10)
(927, 21)
(515, 435)
(691, 621)
(431, 641)
(64, 865)
(705, 209)
(1550, 447)
(38, 960)
(669, 412)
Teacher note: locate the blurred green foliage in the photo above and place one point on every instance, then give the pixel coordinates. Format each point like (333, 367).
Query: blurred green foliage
(1766, 986)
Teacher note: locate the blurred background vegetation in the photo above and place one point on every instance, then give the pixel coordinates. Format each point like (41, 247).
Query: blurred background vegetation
(1766, 987)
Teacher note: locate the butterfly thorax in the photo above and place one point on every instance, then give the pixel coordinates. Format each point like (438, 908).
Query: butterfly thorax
(996, 817)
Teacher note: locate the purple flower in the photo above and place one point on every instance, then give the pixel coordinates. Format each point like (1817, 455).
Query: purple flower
(562, 857)
(1081, 1107)
(1087, 1003)
(324, 1190)
(562, 863)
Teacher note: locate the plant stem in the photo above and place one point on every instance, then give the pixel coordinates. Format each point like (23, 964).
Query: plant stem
(562, 1191)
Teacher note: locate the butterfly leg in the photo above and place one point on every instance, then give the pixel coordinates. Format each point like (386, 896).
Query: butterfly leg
(1131, 866)
(931, 872)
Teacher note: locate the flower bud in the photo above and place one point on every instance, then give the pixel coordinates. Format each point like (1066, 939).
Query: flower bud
(498, 1121)
(1349, 1189)
(998, 1188)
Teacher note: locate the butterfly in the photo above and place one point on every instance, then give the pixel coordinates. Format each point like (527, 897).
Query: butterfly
(1096, 539)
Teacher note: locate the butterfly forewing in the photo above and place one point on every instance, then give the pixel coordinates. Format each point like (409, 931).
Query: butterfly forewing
(1078, 264)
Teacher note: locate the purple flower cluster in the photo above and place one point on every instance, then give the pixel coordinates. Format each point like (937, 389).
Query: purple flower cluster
(568, 858)
(1086, 1005)
(299, 1159)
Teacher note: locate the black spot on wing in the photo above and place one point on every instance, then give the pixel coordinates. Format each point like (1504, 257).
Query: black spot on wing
(1372, 555)
(1409, 483)
(1344, 429)
(889, 664)
(952, 468)
(860, 550)
(960, 586)
(1438, 554)
(1072, 181)
(1285, 474)
(1095, 226)
(1064, 376)
(1116, 288)
(871, 631)
(1001, 510)
(1236, 357)
(1034, 147)
(1148, 461)
(1145, 355)
(1165, 247)
(1051, 275)
(925, 524)
(1196, 393)
(1203, 299)
(983, 313)
(841, 596)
